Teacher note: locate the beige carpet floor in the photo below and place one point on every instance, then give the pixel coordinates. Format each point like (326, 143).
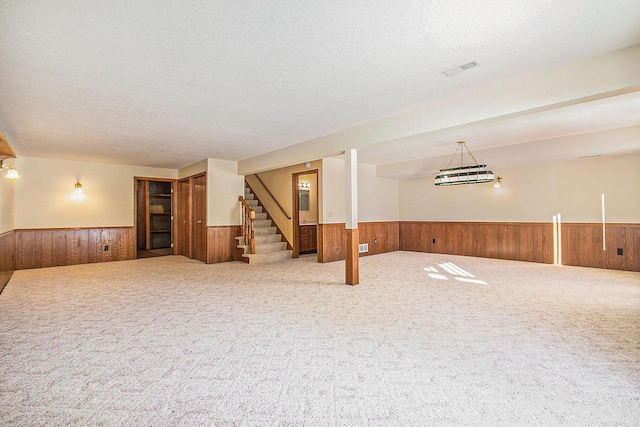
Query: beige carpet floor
(170, 341)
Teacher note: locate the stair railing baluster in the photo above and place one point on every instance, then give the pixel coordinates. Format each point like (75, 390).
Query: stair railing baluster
(248, 225)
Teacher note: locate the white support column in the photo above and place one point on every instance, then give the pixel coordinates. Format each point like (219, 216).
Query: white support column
(351, 174)
(352, 240)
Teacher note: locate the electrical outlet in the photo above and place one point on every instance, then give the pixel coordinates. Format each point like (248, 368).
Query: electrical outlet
(620, 252)
(375, 241)
(433, 241)
(106, 248)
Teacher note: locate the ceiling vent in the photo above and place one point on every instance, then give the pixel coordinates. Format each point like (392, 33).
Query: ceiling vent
(455, 70)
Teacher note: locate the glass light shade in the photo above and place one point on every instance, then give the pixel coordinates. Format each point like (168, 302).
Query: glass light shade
(477, 174)
(12, 173)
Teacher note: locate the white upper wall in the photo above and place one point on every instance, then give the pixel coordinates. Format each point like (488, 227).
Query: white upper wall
(534, 194)
(333, 203)
(378, 198)
(45, 197)
(224, 186)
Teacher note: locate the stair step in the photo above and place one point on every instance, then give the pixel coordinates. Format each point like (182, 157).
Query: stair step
(268, 257)
(252, 202)
(265, 248)
(262, 223)
(265, 239)
(264, 230)
(249, 196)
(268, 238)
(261, 215)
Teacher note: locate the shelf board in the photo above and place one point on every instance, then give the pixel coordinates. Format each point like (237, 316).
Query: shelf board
(160, 231)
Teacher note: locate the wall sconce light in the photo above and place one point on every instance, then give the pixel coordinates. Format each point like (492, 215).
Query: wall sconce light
(12, 173)
(497, 183)
(78, 188)
(304, 185)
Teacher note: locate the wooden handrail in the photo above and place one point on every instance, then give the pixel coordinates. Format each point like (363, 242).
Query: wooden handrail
(244, 203)
(248, 226)
(274, 199)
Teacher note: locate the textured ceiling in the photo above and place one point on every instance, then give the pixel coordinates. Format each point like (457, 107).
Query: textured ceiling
(166, 84)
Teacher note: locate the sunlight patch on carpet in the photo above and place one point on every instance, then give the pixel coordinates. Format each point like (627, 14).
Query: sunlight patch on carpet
(459, 273)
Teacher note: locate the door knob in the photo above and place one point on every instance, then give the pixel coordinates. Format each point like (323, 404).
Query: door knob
(199, 221)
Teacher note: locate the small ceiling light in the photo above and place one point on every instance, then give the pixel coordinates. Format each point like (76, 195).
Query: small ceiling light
(12, 173)
(464, 67)
(304, 185)
(78, 188)
(497, 182)
(473, 174)
(307, 165)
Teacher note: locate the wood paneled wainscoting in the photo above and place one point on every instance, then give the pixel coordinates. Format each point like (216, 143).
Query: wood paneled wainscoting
(582, 246)
(36, 248)
(222, 243)
(381, 236)
(330, 244)
(532, 242)
(7, 257)
(513, 241)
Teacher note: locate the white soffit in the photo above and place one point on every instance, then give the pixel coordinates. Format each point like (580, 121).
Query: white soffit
(620, 141)
(168, 84)
(601, 114)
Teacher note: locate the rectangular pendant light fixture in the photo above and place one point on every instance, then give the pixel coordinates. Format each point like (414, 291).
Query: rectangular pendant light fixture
(460, 175)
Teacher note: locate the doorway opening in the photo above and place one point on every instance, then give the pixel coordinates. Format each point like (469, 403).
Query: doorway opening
(155, 207)
(305, 213)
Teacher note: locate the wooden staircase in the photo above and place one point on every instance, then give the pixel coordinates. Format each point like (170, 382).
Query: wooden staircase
(269, 246)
